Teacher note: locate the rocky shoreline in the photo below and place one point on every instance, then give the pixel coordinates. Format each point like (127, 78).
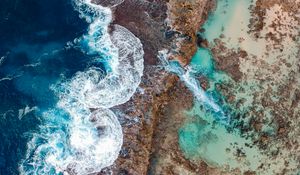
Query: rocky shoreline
(151, 119)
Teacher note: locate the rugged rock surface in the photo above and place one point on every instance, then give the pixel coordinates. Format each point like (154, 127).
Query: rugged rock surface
(162, 24)
(151, 119)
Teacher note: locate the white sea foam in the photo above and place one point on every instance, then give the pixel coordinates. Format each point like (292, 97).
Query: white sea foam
(2, 60)
(74, 140)
(93, 142)
(92, 12)
(25, 111)
(117, 87)
(187, 76)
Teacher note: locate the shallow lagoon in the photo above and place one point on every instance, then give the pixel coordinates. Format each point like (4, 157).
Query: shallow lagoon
(204, 138)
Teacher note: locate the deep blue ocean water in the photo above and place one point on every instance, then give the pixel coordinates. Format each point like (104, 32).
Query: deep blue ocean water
(34, 55)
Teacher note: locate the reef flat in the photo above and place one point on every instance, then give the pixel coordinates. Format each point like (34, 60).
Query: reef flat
(159, 24)
(259, 50)
(248, 47)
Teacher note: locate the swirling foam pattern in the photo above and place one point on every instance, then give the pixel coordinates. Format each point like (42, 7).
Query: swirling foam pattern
(121, 81)
(74, 140)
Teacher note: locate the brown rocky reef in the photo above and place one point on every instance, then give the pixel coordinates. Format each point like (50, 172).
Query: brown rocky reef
(264, 87)
(151, 119)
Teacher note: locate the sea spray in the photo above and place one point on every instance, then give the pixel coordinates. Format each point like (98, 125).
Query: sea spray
(187, 75)
(72, 138)
(122, 79)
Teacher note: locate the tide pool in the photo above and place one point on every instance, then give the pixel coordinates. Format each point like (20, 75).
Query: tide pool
(230, 19)
(202, 136)
(207, 133)
(202, 62)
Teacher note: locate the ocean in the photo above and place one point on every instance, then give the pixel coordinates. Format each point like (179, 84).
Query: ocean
(57, 63)
(34, 55)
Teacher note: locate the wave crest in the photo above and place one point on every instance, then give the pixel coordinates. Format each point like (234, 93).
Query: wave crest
(74, 140)
(117, 87)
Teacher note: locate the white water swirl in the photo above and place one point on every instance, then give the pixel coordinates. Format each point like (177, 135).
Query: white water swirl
(74, 139)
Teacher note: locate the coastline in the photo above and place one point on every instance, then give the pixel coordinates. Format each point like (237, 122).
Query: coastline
(147, 87)
(150, 142)
(154, 115)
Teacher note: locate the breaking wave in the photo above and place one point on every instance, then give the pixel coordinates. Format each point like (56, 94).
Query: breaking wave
(124, 73)
(81, 135)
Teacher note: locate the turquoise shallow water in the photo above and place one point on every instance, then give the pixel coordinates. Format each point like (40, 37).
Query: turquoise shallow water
(230, 18)
(203, 137)
(222, 144)
(202, 62)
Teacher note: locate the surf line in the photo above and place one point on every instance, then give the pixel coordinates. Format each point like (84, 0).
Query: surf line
(74, 139)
